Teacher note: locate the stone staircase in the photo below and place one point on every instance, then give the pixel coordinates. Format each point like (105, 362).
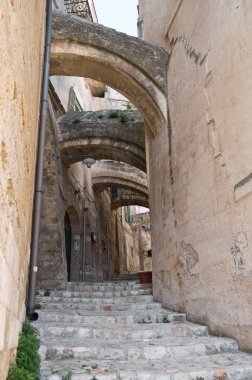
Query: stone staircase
(115, 331)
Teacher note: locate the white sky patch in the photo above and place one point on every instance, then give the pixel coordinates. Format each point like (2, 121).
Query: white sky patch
(118, 14)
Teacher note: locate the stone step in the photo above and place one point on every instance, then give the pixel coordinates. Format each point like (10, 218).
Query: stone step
(156, 349)
(126, 277)
(116, 331)
(92, 306)
(82, 287)
(109, 282)
(134, 332)
(101, 294)
(215, 367)
(111, 317)
(101, 300)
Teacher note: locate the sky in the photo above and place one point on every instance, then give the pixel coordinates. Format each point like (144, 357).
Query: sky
(118, 14)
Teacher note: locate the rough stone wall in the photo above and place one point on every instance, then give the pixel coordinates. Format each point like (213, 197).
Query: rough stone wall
(21, 52)
(145, 247)
(124, 245)
(52, 266)
(202, 250)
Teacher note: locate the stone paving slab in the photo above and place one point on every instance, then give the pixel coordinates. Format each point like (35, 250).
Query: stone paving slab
(78, 287)
(156, 349)
(114, 300)
(112, 317)
(101, 294)
(216, 367)
(105, 307)
(135, 332)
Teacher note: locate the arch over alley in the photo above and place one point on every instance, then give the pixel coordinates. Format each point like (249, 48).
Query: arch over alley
(133, 67)
(105, 174)
(129, 199)
(113, 135)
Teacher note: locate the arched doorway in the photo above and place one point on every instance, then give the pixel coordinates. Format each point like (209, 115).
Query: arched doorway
(68, 244)
(73, 253)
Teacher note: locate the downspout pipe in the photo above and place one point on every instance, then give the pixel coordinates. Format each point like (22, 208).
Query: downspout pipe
(84, 243)
(30, 310)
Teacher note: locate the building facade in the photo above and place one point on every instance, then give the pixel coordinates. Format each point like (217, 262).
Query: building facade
(205, 267)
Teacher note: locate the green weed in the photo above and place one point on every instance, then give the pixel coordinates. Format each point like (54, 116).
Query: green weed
(113, 115)
(27, 364)
(76, 121)
(68, 376)
(123, 118)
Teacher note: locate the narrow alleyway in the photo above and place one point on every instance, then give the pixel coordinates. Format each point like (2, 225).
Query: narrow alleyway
(115, 330)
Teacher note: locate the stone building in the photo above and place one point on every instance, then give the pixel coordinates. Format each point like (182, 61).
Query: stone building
(201, 221)
(189, 79)
(21, 51)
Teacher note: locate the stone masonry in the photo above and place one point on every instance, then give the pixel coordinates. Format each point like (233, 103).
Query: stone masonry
(201, 209)
(21, 52)
(115, 135)
(114, 330)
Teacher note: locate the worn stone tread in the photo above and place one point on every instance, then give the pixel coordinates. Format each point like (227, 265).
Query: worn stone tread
(235, 366)
(110, 317)
(92, 306)
(156, 349)
(132, 332)
(130, 338)
(101, 294)
(102, 286)
(114, 300)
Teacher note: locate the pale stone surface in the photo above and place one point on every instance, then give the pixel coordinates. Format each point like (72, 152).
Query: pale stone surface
(2, 324)
(118, 348)
(201, 254)
(21, 51)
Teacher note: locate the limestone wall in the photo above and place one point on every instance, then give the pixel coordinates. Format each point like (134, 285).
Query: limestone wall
(21, 52)
(124, 245)
(202, 235)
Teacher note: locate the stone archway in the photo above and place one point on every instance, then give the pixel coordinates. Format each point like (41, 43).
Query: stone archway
(106, 174)
(118, 138)
(129, 199)
(133, 67)
(139, 71)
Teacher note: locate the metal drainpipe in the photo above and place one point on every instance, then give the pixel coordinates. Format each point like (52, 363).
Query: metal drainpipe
(108, 257)
(84, 243)
(30, 310)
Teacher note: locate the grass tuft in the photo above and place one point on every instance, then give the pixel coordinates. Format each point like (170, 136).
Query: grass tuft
(27, 364)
